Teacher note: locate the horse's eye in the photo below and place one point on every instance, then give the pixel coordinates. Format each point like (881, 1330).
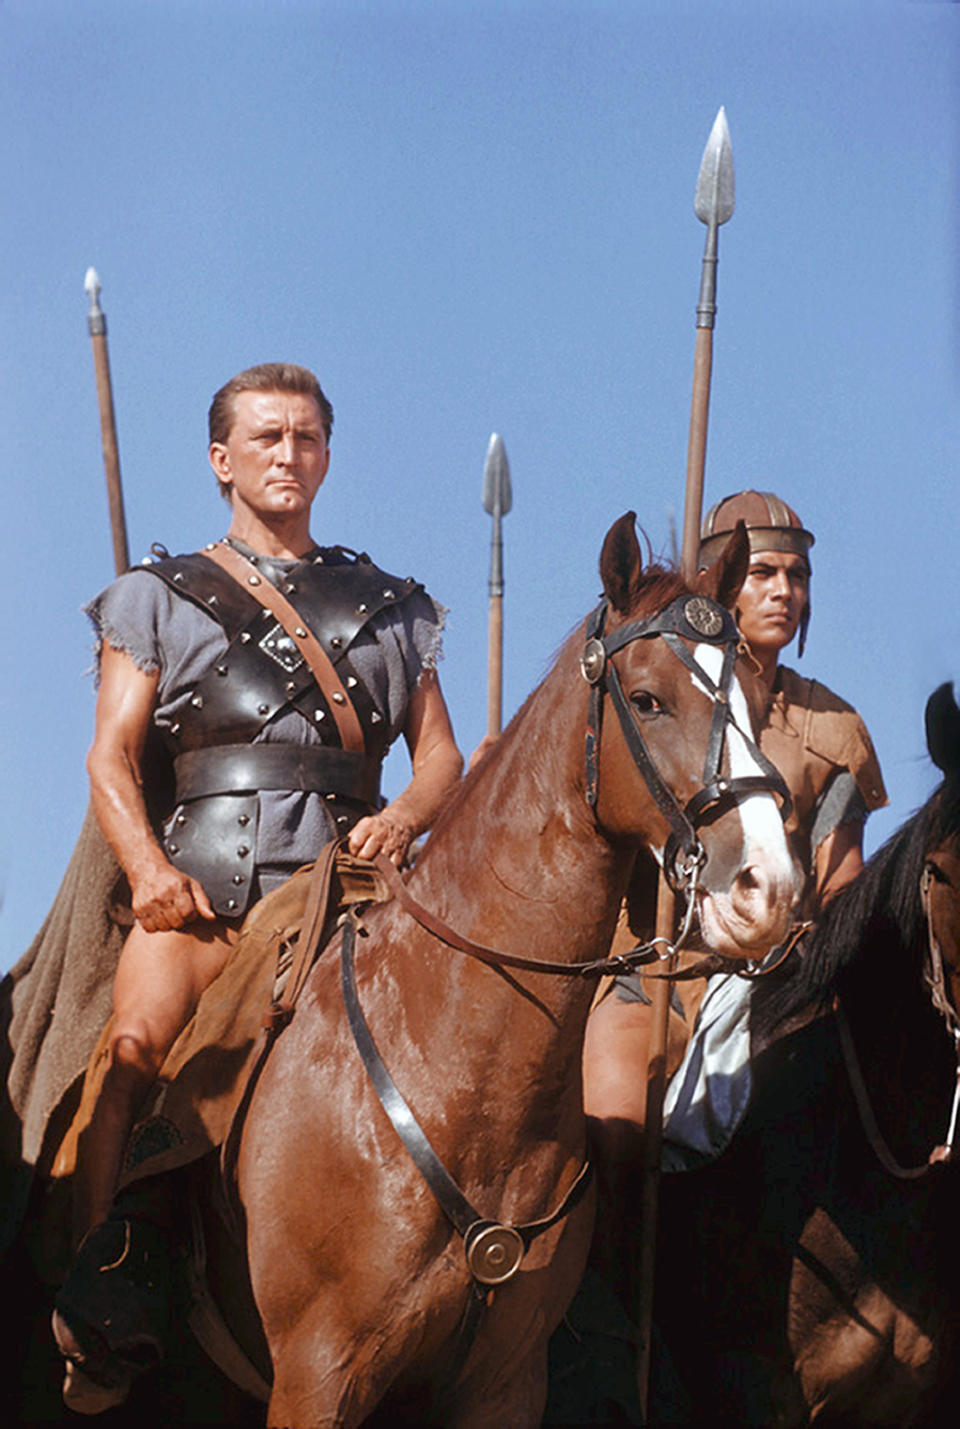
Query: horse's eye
(645, 704)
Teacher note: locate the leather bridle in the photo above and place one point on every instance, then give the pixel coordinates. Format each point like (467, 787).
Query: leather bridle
(700, 620)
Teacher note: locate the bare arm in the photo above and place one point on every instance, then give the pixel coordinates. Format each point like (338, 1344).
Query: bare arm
(839, 859)
(437, 765)
(162, 896)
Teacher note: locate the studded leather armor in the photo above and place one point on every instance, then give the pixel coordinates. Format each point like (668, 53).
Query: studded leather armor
(219, 771)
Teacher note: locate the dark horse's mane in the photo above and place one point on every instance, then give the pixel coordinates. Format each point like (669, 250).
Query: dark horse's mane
(882, 903)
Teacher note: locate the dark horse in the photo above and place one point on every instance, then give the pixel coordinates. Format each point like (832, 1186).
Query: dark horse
(811, 1273)
(360, 1280)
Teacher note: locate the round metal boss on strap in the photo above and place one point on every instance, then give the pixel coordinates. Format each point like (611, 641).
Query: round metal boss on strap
(494, 1254)
(593, 661)
(703, 616)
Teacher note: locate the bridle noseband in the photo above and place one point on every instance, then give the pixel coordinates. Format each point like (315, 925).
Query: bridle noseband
(701, 620)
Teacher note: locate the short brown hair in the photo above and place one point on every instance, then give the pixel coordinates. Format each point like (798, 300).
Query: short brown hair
(267, 377)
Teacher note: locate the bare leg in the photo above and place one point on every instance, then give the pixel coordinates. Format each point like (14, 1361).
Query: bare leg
(615, 1070)
(158, 984)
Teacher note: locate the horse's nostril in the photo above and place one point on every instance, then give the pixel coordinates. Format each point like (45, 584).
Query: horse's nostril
(748, 880)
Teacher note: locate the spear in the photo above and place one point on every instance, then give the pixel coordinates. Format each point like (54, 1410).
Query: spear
(497, 500)
(713, 205)
(97, 324)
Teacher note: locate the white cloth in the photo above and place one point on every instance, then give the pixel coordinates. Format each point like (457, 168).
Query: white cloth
(708, 1094)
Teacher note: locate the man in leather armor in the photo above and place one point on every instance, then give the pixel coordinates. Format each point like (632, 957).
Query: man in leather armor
(247, 696)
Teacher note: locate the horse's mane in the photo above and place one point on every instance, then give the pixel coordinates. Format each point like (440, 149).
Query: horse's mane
(881, 904)
(658, 585)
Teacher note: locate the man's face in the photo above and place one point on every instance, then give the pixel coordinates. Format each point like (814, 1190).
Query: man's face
(772, 599)
(276, 456)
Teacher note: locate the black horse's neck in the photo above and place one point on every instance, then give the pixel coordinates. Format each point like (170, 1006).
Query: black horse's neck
(877, 920)
(868, 952)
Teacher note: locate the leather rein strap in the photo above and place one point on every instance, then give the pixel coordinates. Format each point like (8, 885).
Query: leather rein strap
(245, 573)
(597, 967)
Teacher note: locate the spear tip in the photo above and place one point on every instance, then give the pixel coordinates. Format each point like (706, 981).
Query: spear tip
(497, 495)
(92, 285)
(714, 199)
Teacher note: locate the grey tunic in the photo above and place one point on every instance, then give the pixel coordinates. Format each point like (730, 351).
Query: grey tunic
(161, 631)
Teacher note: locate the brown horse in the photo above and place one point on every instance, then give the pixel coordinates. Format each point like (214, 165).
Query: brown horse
(812, 1273)
(360, 1278)
(359, 1275)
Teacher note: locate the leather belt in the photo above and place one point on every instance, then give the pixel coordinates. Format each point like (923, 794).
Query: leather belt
(240, 768)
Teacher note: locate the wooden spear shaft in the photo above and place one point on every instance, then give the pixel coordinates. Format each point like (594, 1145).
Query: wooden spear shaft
(97, 324)
(713, 205)
(652, 1141)
(660, 990)
(495, 665)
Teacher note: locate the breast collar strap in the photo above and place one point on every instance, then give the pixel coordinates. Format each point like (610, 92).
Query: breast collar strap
(698, 619)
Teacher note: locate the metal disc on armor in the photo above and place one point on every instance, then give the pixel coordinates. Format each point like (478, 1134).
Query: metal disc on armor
(703, 616)
(592, 661)
(494, 1254)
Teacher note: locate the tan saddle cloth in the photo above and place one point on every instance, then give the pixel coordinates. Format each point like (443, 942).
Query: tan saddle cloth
(203, 1080)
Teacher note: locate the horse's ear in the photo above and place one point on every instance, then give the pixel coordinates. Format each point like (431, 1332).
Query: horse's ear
(942, 719)
(621, 564)
(729, 571)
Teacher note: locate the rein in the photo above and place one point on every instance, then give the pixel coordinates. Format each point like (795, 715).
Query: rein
(690, 617)
(596, 967)
(933, 976)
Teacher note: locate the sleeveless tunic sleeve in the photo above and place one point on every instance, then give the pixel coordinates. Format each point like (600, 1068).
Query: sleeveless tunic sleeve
(822, 748)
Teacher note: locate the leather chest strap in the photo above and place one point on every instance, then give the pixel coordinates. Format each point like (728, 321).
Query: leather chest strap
(321, 666)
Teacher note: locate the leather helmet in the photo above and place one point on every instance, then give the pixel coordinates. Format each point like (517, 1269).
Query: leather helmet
(771, 525)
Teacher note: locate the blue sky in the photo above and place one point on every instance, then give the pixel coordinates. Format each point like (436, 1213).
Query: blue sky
(471, 218)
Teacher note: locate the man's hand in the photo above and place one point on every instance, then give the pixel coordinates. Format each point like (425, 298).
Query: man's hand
(381, 833)
(163, 898)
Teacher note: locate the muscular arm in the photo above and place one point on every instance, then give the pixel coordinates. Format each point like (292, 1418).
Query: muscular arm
(162, 896)
(437, 765)
(839, 859)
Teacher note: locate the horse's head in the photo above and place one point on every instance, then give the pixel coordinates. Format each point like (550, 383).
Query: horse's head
(942, 861)
(678, 768)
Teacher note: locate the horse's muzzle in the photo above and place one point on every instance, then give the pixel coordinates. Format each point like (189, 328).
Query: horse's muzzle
(750, 917)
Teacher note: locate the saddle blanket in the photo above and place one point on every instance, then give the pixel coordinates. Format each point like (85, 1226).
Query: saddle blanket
(203, 1080)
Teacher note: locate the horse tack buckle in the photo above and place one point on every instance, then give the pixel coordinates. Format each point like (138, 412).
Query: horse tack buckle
(493, 1252)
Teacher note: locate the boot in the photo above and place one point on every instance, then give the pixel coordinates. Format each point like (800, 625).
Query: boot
(112, 1314)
